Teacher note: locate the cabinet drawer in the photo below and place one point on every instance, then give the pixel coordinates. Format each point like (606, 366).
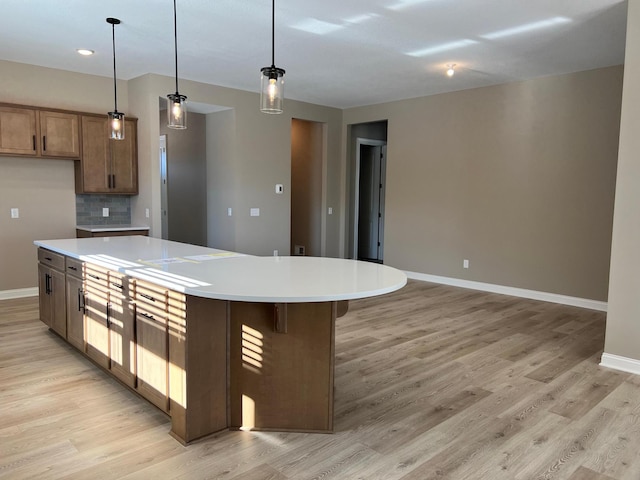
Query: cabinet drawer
(52, 259)
(96, 277)
(74, 267)
(151, 297)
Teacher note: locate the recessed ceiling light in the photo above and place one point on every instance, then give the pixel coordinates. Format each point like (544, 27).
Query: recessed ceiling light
(451, 69)
(85, 51)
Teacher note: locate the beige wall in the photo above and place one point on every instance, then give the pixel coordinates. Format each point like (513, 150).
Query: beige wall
(260, 146)
(517, 178)
(623, 319)
(43, 190)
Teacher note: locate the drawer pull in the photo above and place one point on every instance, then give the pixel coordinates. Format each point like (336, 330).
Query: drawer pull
(148, 297)
(49, 259)
(95, 277)
(73, 268)
(117, 285)
(146, 315)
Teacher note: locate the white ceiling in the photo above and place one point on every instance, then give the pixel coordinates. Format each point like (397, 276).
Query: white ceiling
(340, 53)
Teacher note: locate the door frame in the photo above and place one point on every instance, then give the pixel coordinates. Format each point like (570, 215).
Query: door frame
(372, 143)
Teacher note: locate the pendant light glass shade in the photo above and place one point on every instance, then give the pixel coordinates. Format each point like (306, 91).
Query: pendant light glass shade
(272, 90)
(176, 111)
(176, 103)
(116, 125)
(272, 83)
(116, 118)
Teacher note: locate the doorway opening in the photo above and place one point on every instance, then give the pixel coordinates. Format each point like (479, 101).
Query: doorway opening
(371, 167)
(368, 186)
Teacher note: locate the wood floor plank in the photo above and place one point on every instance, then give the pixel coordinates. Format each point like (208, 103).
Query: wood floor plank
(431, 381)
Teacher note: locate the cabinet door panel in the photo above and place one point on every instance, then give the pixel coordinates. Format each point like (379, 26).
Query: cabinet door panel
(58, 303)
(125, 161)
(18, 131)
(121, 339)
(96, 325)
(60, 135)
(95, 162)
(152, 355)
(75, 312)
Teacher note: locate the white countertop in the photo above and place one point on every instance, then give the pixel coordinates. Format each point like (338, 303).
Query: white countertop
(212, 273)
(111, 228)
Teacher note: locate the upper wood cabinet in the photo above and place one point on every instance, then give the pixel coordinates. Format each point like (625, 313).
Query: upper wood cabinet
(107, 166)
(39, 133)
(18, 131)
(60, 135)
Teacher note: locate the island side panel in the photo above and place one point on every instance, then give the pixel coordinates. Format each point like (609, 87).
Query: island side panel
(282, 381)
(197, 366)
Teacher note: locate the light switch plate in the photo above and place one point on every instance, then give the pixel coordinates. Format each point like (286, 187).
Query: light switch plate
(255, 212)
(15, 213)
(279, 188)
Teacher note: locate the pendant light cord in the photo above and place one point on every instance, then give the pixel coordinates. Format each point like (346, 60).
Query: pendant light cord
(115, 87)
(273, 33)
(175, 40)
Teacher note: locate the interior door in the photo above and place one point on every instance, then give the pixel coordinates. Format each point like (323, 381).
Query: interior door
(371, 203)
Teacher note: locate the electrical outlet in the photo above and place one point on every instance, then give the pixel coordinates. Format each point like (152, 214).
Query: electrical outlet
(255, 212)
(465, 263)
(275, 253)
(105, 212)
(229, 212)
(15, 213)
(299, 250)
(330, 210)
(146, 212)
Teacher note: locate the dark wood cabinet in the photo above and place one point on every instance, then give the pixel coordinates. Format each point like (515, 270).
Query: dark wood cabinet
(107, 166)
(59, 135)
(18, 131)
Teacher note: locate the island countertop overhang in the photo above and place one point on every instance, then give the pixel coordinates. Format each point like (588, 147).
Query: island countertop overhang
(219, 274)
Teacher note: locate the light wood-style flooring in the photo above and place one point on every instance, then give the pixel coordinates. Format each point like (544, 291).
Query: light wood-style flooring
(432, 382)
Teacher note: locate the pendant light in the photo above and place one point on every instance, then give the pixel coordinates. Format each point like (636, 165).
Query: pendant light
(116, 118)
(272, 84)
(176, 103)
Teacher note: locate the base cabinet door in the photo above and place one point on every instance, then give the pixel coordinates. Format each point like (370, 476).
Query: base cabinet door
(52, 299)
(122, 346)
(96, 318)
(152, 358)
(75, 312)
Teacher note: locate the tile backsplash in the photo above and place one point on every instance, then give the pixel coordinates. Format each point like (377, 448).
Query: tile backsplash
(89, 209)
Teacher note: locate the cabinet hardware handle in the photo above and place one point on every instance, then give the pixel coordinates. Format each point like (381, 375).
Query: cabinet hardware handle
(114, 180)
(108, 314)
(146, 315)
(109, 180)
(95, 277)
(47, 283)
(117, 285)
(48, 258)
(73, 268)
(81, 300)
(148, 297)
(44, 143)
(34, 142)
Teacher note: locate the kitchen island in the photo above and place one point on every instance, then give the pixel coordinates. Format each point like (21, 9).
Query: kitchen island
(216, 339)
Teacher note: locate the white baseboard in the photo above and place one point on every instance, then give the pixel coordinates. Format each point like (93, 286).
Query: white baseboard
(513, 291)
(18, 293)
(624, 364)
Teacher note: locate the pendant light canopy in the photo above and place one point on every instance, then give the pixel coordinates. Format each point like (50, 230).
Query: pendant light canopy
(272, 84)
(176, 103)
(116, 118)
